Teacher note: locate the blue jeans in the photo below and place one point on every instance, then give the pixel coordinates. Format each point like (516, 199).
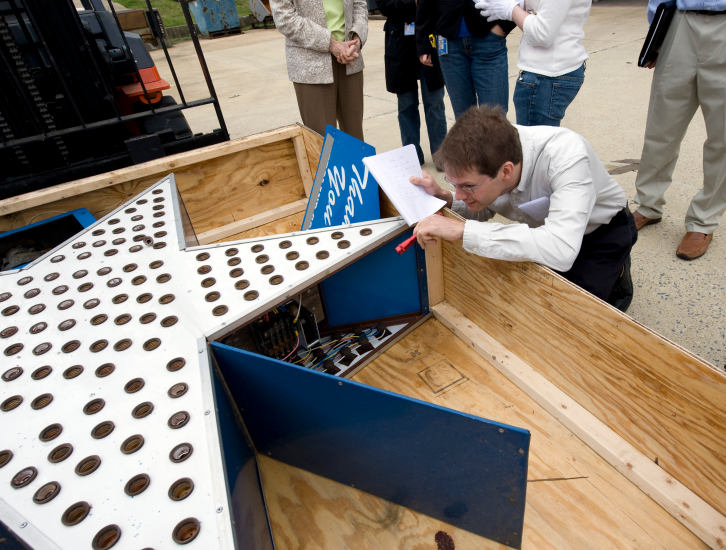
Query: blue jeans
(542, 100)
(409, 120)
(475, 72)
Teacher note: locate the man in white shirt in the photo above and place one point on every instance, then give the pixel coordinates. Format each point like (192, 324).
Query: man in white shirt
(573, 216)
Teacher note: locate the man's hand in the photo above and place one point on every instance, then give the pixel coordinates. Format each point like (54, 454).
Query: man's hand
(495, 10)
(426, 59)
(432, 188)
(652, 65)
(437, 226)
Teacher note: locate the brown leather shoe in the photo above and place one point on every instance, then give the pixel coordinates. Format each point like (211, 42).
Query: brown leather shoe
(693, 245)
(641, 221)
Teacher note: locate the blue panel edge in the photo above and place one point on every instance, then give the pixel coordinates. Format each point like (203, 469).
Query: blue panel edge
(497, 517)
(250, 520)
(83, 216)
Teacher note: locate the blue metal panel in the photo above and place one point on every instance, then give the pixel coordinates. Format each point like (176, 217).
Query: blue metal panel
(381, 284)
(249, 517)
(461, 469)
(214, 15)
(82, 216)
(343, 191)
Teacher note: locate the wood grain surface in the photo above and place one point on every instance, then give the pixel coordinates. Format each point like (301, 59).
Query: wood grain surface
(303, 163)
(313, 147)
(219, 184)
(591, 506)
(685, 506)
(661, 399)
(235, 228)
(287, 224)
(235, 187)
(155, 168)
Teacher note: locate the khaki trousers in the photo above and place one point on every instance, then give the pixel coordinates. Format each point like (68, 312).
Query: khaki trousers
(322, 104)
(691, 71)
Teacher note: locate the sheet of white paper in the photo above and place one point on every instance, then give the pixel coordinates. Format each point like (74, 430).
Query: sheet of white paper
(538, 208)
(392, 170)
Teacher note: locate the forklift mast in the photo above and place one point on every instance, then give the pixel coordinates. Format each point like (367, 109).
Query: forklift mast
(79, 96)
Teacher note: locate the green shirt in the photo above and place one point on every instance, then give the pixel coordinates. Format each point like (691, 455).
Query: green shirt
(335, 18)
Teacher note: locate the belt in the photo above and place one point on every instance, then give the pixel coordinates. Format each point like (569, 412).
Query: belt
(705, 12)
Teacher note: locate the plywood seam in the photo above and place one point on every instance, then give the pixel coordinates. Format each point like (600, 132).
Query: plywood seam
(684, 505)
(252, 222)
(303, 164)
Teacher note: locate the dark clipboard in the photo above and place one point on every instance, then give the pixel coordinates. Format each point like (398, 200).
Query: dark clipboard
(657, 33)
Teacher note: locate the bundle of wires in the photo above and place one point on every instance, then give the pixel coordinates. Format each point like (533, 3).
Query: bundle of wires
(333, 348)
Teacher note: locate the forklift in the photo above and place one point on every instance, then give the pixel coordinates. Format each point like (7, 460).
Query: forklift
(80, 97)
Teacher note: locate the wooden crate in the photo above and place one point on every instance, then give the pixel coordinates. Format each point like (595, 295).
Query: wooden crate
(628, 435)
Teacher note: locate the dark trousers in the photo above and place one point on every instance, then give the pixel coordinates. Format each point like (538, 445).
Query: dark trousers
(603, 254)
(409, 120)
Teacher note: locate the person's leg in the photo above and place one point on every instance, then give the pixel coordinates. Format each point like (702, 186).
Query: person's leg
(489, 68)
(545, 99)
(456, 68)
(603, 256)
(409, 121)
(673, 102)
(524, 96)
(317, 105)
(709, 204)
(349, 101)
(435, 114)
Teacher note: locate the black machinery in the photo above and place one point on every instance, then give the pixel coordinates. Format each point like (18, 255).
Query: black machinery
(79, 96)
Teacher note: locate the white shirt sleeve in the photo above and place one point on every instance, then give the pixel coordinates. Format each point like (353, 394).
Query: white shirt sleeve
(555, 244)
(542, 29)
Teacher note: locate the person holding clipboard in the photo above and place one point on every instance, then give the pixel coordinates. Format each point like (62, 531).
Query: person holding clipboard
(573, 216)
(690, 72)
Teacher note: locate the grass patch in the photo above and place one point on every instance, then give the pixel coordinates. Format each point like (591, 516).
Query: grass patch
(171, 12)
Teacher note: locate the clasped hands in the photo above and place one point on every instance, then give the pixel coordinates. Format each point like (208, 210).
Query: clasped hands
(345, 52)
(495, 10)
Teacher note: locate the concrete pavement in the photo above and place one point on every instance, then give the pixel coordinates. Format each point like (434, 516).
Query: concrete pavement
(683, 301)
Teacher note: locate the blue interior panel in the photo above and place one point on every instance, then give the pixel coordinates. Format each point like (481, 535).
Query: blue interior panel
(381, 284)
(461, 469)
(249, 517)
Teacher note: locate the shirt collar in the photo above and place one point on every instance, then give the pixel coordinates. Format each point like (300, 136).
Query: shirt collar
(525, 138)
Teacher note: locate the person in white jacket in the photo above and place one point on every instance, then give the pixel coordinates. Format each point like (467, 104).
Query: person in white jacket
(551, 54)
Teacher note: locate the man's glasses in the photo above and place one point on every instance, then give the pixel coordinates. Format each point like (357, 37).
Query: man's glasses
(465, 188)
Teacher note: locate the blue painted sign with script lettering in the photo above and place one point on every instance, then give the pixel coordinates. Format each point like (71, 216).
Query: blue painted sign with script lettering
(343, 191)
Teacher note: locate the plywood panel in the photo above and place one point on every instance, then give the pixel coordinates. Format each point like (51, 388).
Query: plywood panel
(685, 506)
(660, 398)
(601, 509)
(216, 192)
(594, 508)
(239, 186)
(159, 167)
(283, 225)
(220, 184)
(313, 147)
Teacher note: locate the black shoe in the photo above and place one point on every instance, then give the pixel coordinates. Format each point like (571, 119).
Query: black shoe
(622, 293)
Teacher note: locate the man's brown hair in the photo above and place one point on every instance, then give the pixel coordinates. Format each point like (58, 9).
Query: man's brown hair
(482, 139)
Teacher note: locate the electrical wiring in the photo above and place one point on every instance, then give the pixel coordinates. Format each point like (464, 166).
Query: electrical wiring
(294, 349)
(299, 308)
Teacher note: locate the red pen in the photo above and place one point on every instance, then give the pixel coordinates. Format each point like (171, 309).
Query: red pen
(405, 245)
